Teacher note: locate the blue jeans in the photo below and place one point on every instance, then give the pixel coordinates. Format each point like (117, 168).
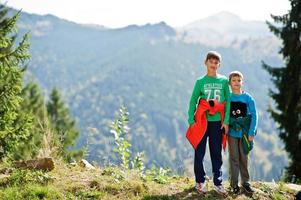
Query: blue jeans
(214, 133)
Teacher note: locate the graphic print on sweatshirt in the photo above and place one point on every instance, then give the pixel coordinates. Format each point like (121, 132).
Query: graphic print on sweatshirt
(213, 90)
(238, 109)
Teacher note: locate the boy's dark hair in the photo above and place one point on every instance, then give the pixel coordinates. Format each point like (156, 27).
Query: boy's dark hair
(213, 55)
(235, 73)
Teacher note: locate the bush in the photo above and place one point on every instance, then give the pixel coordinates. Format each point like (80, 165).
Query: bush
(159, 175)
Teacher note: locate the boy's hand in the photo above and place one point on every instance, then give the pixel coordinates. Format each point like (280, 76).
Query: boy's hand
(226, 127)
(251, 138)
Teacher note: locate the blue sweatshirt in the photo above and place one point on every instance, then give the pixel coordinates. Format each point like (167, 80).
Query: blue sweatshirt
(241, 106)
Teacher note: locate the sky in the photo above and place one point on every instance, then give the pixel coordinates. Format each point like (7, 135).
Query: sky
(120, 13)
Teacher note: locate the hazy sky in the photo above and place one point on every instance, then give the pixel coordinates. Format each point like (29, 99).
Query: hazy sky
(119, 13)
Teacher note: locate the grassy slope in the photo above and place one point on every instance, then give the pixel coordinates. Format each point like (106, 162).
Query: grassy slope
(74, 182)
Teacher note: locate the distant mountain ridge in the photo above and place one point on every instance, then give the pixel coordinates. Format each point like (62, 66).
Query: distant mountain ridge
(224, 29)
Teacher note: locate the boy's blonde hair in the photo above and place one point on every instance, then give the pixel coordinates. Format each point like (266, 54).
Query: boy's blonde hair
(235, 73)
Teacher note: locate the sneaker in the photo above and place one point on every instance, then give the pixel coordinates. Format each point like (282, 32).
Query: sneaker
(248, 188)
(220, 190)
(236, 189)
(201, 188)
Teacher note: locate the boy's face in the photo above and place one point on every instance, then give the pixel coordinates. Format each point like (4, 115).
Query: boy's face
(212, 65)
(236, 83)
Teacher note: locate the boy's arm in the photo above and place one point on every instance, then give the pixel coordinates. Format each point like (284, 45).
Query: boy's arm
(254, 117)
(193, 102)
(227, 108)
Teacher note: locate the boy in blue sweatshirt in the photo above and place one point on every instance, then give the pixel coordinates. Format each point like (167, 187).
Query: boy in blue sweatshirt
(242, 129)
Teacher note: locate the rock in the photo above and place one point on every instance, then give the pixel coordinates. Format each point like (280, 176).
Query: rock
(72, 164)
(258, 191)
(41, 163)
(85, 164)
(293, 186)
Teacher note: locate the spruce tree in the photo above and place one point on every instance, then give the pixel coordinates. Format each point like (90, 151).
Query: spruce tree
(287, 80)
(34, 104)
(64, 126)
(14, 125)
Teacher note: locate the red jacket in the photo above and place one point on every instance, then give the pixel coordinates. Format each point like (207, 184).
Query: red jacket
(196, 131)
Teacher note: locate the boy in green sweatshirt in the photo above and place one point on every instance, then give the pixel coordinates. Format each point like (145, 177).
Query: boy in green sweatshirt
(210, 86)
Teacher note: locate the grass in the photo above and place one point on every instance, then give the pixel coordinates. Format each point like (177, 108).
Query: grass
(74, 182)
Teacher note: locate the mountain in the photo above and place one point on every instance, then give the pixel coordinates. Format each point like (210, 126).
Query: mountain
(152, 71)
(228, 23)
(224, 29)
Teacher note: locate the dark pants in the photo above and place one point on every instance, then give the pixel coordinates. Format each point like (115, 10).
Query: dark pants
(215, 146)
(238, 162)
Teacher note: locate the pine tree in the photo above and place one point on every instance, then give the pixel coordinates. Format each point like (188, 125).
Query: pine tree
(287, 79)
(63, 125)
(33, 103)
(14, 126)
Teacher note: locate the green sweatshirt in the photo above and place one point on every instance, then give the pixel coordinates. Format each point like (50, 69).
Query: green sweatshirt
(208, 87)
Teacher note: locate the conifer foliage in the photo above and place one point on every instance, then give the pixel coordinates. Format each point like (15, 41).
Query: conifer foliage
(63, 125)
(287, 80)
(25, 118)
(15, 126)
